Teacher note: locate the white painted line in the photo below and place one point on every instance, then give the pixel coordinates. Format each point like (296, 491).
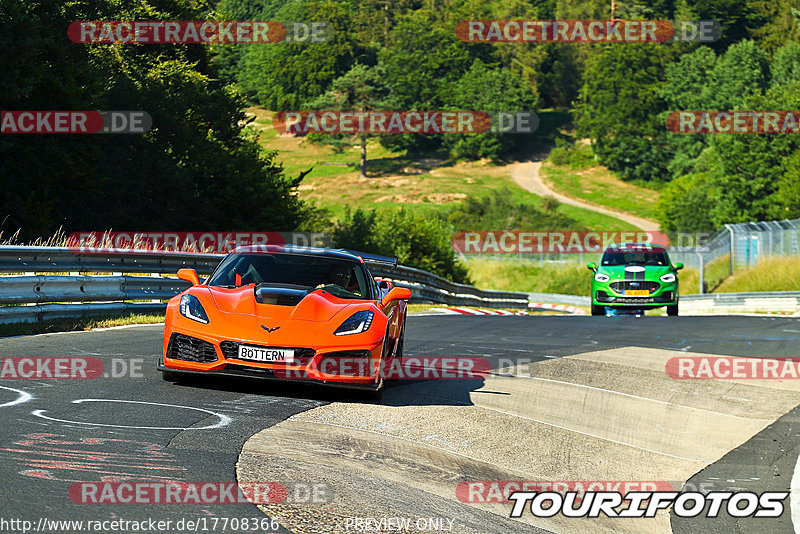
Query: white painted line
(794, 496)
(224, 420)
(124, 326)
(23, 396)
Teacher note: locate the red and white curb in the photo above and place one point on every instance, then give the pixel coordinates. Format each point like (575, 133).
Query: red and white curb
(533, 305)
(481, 311)
(572, 310)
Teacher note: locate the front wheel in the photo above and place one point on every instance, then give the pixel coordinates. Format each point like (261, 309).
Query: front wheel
(376, 395)
(672, 310)
(598, 310)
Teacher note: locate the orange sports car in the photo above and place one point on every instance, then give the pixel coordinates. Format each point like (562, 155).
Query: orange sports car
(286, 313)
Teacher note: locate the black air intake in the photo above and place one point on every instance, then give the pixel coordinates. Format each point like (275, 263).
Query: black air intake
(280, 296)
(190, 349)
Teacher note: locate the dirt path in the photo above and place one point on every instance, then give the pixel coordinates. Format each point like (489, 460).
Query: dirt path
(527, 176)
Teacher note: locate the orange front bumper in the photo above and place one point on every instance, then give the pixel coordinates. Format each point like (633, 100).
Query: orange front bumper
(310, 335)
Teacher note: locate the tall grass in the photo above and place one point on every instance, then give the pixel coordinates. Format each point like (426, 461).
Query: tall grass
(530, 276)
(58, 239)
(714, 272)
(778, 273)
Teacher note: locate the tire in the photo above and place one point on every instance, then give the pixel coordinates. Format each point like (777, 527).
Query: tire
(598, 310)
(375, 396)
(672, 311)
(398, 353)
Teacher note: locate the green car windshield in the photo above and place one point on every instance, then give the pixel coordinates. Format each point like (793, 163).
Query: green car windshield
(613, 258)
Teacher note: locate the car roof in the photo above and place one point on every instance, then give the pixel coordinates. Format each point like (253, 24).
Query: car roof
(340, 253)
(622, 246)
(300, 251)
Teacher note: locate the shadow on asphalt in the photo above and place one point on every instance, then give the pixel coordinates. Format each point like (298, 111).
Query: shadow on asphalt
(396, 393)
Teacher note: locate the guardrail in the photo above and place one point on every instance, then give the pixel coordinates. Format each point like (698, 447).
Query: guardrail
(428, 287)
(766, 301)
(29, 296)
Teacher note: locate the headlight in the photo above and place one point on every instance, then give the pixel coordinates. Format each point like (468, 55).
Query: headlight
(192, 309)
(669, 277)
(357, 323)
(600, 277)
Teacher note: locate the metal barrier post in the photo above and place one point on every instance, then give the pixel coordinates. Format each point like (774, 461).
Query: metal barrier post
(733, 243)
(702, 289)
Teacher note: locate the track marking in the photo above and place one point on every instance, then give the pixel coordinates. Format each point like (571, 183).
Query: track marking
(23, 396)
(224, 420)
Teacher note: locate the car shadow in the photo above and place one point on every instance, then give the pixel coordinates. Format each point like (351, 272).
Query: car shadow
(426, 392)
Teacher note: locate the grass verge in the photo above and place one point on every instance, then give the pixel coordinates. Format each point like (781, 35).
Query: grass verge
(573, 172)
(530, 276)
(771, 274)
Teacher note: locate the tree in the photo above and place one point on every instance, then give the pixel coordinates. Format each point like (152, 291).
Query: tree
(685, 205)
(778, 22)
(619, 108)
(685, 88)
(415, 239)
(196, 168)
(787, 198)
(733, 16)
(490, 90)
(748, 169)
(288, 75)
(421, 63)
(741, 72)
(360, 89)
(785, 65)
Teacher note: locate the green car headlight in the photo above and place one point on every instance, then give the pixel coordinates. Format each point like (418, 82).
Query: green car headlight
(600, 277)
(667, 278)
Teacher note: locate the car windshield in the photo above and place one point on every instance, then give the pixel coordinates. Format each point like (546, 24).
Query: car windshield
(613, 258)
(342, 278)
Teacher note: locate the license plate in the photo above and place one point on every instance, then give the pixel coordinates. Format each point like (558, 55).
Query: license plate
(637, 293)
(265, 354)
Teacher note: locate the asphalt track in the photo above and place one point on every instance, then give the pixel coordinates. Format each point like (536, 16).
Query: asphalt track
(570, 399)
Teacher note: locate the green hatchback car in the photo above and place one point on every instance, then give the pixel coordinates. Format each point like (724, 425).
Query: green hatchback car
(634, 276)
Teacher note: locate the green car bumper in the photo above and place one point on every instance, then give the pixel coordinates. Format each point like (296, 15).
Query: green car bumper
(617, 294)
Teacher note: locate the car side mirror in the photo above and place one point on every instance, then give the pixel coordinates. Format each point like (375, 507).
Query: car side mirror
(592, 266)
(398, 293)
(678, 266)
(189, 275)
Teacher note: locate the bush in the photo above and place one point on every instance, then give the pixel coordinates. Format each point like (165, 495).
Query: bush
(577, 156)
(500, 211)
(416, 240)
(686, 203)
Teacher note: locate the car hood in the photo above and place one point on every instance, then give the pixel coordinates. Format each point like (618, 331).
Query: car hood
(317, 306)
(624, 272)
